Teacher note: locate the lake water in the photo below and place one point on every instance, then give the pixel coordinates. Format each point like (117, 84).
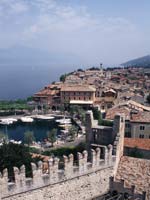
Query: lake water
(23, 81)
(38, 127)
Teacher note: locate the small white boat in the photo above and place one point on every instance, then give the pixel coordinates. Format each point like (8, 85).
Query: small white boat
(65, 126)
(13, 119)
(64, 121)
(15, 142)
(44, 117)
(26, 119)
(64, 131)
(8, 121)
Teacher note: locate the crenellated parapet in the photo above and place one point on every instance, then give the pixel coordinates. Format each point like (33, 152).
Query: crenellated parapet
(119, 187)
(54, 174)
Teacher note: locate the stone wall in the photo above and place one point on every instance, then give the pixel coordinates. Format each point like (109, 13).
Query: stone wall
(116, 134)
(119, 187)
(85, 180)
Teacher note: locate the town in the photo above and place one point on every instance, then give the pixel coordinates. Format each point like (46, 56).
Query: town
(111, 108)
(74, 100)
(111, 91)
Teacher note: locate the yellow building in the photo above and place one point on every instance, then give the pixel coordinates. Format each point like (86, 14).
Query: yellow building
(77, 94)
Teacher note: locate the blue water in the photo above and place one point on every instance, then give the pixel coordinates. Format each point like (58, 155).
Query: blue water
(23, 81)
(38, 127)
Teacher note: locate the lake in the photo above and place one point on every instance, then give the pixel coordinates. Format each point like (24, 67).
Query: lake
(23, 81)
(38, 127)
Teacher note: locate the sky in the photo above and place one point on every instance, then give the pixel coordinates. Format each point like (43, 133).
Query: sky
(83, 32)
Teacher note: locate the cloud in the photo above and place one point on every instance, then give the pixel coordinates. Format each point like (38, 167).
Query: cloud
(13, 7)
(64, 28)
(66, 18)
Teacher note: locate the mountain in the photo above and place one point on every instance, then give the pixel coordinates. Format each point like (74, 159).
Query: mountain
(139, 62)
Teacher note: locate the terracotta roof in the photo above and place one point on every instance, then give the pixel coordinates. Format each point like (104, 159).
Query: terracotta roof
(141, 117)
(135, 171)
(78, 88)
(118, 110)
(137, 142)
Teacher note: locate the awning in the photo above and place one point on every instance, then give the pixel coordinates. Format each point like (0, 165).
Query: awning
(81, 102)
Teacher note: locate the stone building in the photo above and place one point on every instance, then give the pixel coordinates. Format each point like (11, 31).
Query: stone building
(137, 121)
(77, 94)
(48, 97)
(139, 125)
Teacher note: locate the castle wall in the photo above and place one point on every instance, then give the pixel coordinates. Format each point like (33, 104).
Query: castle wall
(83, 187)
(96, 136)
(85, 180)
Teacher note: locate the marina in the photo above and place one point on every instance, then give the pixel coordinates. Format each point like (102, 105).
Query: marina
(16, 126)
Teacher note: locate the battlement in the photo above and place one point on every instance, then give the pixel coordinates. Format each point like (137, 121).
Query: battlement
(54, 174)
(118, 187)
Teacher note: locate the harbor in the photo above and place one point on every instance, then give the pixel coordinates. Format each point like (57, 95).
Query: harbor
(15, 126)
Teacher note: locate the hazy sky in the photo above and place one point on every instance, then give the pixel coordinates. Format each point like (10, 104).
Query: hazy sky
(90, 31)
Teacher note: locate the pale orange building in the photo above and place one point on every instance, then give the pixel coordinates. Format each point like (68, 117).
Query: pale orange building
(78, 94)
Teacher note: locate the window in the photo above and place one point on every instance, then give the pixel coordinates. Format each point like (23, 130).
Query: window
(127, 125)
(128, 134)
(141, 136)
(142, 128)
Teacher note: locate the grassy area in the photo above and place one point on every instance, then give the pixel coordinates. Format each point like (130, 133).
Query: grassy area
(65, 151)
(14, 105)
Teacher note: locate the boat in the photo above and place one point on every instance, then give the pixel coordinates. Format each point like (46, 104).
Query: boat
(44, 117)
(64, 131)
(7, 121)
(65, 126)
(64, 121)
(13, 119)
(26, 119)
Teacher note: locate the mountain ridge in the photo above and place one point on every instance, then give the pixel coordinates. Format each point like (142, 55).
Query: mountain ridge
(138, 62)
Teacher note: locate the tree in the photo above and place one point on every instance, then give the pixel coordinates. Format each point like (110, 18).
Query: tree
(97, 115)
(30, 98)
(15, 155)
(29, 137)
(148, 98)
(3, 137)
(52, 135)
(73, 132)
(78, 111)
(74, 109)
(63, 77)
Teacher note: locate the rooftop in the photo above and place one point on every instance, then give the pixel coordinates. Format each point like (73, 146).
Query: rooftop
(118, 110)
(141, 117)
(135, 171)
(137, 142)
(77, 88)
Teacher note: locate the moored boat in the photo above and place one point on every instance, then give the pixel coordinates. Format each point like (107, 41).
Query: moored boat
(26, 119)
(42, 117)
